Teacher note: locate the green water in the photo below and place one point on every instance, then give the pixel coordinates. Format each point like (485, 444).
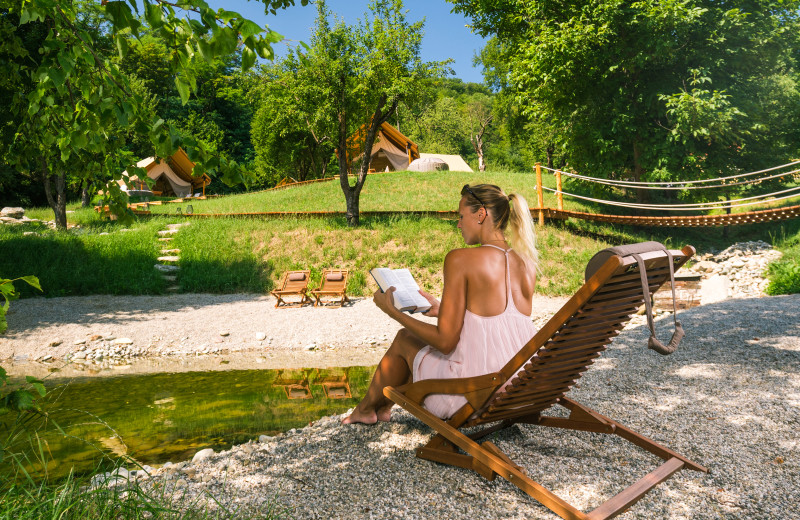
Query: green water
(157, 418)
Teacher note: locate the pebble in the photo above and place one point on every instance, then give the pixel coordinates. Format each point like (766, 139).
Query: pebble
(224, 333)
(202, 455)
(55, 343)
(260, 336)
(123, 341)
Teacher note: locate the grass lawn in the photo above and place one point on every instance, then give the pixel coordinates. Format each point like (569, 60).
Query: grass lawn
(238, 255)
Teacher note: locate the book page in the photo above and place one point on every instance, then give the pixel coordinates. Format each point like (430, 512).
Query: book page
(406, 296)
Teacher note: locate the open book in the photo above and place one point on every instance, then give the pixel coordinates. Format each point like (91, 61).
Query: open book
(406, 297)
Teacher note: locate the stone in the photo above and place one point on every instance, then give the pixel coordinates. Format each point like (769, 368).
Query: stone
(168, 258)
(79, 355)
(224, 333)
(311, 346)
(715, 289)
(47, 357)
(79, 342)
(264, 438)
(167, 268)
(56, 342)
(170, 251)
(167, 232)
(260, 336)
(202, 455)
(12, 212)
(95, 337)
(123, 341)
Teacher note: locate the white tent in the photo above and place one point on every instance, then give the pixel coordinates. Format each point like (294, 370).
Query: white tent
(456, 163)
(172, 177)
(428, 164)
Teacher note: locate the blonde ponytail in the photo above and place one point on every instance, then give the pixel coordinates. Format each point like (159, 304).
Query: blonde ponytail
(523, 239)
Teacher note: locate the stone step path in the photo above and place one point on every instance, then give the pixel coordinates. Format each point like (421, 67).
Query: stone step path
(168, 262)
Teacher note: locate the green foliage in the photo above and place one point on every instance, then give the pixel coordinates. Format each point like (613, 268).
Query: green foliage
(649, 90)
(68, 94)
(8, 293)
(784, 277)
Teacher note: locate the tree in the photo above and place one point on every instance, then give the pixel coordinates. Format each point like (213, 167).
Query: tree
(611, 77)
(480, 115)
(67, 93)
(367, 71)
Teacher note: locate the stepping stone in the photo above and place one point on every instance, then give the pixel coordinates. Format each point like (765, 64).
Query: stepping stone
(165, 239)
(175, 227)
(173, 288)
(170, 251)
(168, 258)
(167, 268)
(166, 232)
(169, 277)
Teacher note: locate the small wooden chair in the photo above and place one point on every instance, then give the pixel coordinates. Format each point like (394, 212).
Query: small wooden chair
(333, 284)
(293, 283)
(335, 386)
(295, 387)
(538, 377)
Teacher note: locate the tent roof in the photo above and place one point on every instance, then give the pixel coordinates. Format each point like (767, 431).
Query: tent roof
(455, 162)
(181, 165)
(386, 135)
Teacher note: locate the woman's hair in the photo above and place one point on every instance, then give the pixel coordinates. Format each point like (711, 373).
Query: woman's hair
(504, 210)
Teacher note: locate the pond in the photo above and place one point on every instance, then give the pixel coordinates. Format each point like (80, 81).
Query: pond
(156, 418)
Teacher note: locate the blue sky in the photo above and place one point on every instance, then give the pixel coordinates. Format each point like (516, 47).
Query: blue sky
(446, 34)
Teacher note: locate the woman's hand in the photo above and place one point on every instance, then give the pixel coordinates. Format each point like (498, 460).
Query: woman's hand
(385, 300)
(433, 312)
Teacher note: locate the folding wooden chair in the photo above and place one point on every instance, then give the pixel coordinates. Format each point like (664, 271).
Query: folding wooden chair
(333, 284)
(540, 375)
(292, 283)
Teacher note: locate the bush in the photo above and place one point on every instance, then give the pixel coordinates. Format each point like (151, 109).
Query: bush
(784, 278)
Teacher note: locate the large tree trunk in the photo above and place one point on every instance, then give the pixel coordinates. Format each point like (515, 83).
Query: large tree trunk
(58, 203)
(550, 151)
(353, 193)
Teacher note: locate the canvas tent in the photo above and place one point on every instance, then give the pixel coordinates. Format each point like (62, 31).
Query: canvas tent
(455, 163)
(391, 150)
(172, 177)
(428, 164)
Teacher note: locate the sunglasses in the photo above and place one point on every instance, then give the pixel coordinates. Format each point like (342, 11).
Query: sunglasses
(469, 190)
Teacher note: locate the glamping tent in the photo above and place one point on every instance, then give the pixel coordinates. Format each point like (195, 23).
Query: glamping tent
(172, 177)
(455, 163)
(428, 164)
(391, 150)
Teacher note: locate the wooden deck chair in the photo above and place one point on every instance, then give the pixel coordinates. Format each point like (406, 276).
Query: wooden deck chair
(293, 283)
(333, 284)
(538, 378)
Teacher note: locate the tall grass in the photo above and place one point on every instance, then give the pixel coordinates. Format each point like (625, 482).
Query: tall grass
(105, 259)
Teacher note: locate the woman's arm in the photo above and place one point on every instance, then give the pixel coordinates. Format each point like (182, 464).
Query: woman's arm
(445, 334)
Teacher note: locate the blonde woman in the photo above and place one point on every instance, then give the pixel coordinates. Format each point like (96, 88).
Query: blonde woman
(484, 314)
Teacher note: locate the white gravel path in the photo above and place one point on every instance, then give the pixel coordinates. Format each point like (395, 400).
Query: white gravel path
(729, 399)
(168, 328)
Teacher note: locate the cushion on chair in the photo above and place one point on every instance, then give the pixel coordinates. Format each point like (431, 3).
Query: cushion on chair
(296, 277)
(334, 277)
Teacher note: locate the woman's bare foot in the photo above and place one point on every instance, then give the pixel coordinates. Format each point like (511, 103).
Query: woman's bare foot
(368, 417)
(385, 413)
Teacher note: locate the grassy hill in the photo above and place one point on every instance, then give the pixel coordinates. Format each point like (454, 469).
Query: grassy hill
(249, 255)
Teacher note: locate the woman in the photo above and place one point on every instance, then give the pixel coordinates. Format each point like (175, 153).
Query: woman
(484, 315)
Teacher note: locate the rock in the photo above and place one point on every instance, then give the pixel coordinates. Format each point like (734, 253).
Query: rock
(167, 232)
(79, 355)
(55, 343)
(48, 357)
(95, 337)
(191, 472)
(12, 212)
(260, 336)
(181, 483)
(203, 454)
(264, 438)
(715, 289)
(123, 341)
(311, 346)
(224, 333)
(170, 259)
(79, 342)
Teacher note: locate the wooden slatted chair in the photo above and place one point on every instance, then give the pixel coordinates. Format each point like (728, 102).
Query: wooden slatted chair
(538, 378)
(292, 283)
(333, 285)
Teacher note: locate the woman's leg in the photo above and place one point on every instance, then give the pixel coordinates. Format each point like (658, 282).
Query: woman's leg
(393, 370)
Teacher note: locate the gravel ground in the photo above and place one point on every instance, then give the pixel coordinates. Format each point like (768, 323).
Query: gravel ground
(164, 333)
(729, 399)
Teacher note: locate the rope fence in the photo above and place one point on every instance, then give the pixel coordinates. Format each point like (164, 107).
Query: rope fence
(698, 220)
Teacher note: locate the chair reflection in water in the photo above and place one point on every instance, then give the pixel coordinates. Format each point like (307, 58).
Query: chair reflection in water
(295, 387)
(336, 383)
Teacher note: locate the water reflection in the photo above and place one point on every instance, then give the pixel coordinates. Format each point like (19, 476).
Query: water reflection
(159, 417)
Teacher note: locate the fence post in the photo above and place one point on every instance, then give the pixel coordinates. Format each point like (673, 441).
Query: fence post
(559, 195)
(539, 193)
